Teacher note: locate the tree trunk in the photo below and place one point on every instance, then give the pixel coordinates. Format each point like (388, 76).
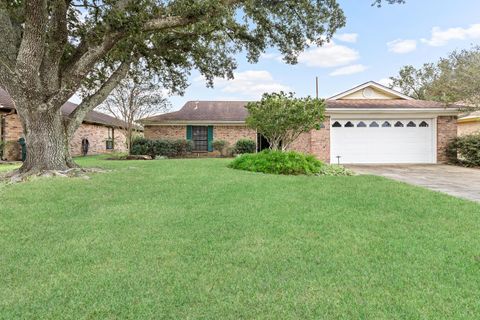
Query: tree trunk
(46, 141)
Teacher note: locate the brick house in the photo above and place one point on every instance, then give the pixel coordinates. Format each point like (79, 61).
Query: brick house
(104, 133)
(367, 124)
(469, 124)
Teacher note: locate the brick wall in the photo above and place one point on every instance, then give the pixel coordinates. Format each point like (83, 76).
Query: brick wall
(466, 128)
(232, 134)
(302, 143)
(12, 132)
(165, 132)
(96, 135)
(446, 131)
(13, 127)
(320, 142)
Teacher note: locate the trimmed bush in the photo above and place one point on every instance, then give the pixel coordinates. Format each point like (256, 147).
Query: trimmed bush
(2, 145)
(220, 146)
(287, 163)
(245, 146)
(465, 150)
(165, 148)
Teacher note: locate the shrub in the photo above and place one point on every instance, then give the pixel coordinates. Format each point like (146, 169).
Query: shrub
(142, 146)
(335, 170)
(2, 145)
(287, 163)
(165, 148)
(220, 146)
(245, 146)
(465, 150)
(277, 162)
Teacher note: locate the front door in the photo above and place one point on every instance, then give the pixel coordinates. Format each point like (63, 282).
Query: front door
(200, 138)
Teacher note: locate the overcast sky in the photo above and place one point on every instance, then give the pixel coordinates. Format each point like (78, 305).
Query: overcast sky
(375, 43)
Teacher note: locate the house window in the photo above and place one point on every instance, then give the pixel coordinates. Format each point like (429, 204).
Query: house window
(200, 138)
(423, 124)
(374, 124)
(398, 124)
(386, 124)
(349, 125)
(411, 124)
(361, 124)
(109, 145)
(336, 124)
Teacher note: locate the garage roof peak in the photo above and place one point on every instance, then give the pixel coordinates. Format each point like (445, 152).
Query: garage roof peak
(371, 90)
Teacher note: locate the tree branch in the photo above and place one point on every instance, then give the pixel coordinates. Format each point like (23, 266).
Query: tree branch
(30, 54)
(56, 41)
(8, 41)
(89, 103)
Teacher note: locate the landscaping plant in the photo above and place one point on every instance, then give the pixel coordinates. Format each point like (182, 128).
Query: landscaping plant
(281, 118)
(286, 163)
(465, 150)
(164, 148)
(244, 146)
(220, 146)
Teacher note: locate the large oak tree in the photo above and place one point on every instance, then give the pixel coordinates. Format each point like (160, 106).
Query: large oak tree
(50, 49)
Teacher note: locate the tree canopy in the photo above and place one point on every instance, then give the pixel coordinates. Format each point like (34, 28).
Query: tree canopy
(281, 118)
(454, 79)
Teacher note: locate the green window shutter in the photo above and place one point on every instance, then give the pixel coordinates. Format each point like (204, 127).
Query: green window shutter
(210, 138)
(189, 132)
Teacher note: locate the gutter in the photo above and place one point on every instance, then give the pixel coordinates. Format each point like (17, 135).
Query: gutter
(468, 120)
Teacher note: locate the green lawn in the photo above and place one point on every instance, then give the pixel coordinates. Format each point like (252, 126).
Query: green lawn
(193, 239)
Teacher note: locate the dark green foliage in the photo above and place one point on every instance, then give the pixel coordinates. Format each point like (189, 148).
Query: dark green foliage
(465, 150)
(287, 163)
(244, 146)
(166, 148)
(277, 162)
(2, 146)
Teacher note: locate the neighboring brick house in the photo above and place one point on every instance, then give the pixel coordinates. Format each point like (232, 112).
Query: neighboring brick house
(104, 133)
(469, 124)
(367, 124)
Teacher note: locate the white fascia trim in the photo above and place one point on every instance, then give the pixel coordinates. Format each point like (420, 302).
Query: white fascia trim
(371, 84)
(415, 111)
(194, 123)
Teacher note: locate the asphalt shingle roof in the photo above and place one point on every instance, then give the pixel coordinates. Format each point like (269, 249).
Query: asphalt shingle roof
(91, 117)
(235, 111)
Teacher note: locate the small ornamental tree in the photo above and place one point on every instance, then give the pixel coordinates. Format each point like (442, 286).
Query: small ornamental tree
(281, 118)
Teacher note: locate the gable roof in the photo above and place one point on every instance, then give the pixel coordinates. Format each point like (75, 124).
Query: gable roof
(93, 117)
(374, 86)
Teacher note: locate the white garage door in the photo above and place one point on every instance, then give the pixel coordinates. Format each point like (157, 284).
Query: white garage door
(382, 141)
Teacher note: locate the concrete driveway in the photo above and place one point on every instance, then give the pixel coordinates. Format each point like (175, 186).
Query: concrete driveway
(456, 181)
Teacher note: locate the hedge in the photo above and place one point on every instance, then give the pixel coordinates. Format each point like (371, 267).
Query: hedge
(244, 146)
(465, 150)
(166, 148)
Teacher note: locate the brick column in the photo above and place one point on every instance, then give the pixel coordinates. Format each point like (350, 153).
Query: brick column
(446, 131)
(320, 142)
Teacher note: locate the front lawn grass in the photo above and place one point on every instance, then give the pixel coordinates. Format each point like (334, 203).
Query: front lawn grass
(193, 239)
